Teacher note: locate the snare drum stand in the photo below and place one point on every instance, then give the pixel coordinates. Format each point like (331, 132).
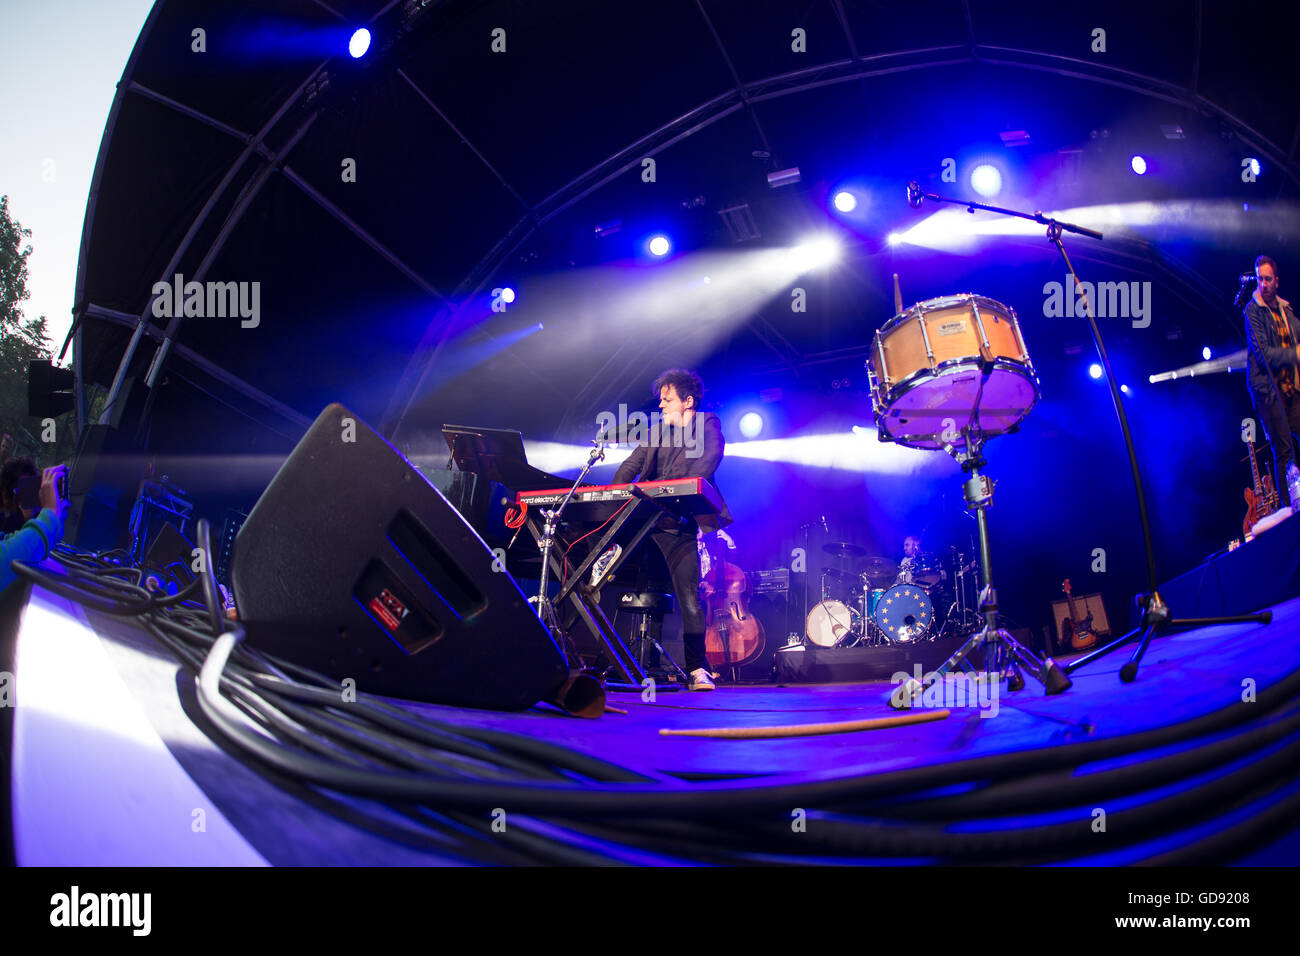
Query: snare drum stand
(1000, 648)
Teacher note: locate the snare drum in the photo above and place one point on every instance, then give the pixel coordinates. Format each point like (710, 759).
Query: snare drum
(831, 623)
(925, 371)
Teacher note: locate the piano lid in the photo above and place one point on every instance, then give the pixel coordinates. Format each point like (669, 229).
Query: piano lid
(498, 455)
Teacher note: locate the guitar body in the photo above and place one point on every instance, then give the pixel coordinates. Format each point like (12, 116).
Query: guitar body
(1076, 634)
(1261, 499)
(734, 637)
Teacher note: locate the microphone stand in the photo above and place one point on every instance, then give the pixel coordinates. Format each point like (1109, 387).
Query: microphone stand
(545, 609)
(1156, 615)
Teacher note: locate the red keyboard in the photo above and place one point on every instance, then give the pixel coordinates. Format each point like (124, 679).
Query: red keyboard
(686, 496)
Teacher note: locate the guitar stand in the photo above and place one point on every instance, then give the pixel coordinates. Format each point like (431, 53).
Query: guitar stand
(1002, 652)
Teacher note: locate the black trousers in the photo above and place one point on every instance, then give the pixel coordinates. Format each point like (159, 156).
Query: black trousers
(1281, 418)
(683, 561)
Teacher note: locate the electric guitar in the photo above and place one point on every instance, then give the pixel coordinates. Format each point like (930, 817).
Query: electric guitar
(1262, 498)
(1075, 634)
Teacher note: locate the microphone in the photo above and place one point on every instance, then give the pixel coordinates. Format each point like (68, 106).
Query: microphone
(914, 194)
(1246, 277)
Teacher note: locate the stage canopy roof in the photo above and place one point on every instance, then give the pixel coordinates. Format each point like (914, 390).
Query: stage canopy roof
(378, 202)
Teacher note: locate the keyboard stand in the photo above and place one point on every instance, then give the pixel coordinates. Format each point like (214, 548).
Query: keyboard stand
(629, 528)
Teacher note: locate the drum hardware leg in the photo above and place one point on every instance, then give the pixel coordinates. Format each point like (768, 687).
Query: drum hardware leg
(1004, 656)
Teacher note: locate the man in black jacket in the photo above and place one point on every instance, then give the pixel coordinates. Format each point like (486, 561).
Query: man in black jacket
(689, 445)
(1273, 367)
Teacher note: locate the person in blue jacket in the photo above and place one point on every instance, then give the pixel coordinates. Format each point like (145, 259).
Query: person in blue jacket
(33, 542)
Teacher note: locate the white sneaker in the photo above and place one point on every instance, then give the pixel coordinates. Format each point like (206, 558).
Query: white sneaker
(700, 680)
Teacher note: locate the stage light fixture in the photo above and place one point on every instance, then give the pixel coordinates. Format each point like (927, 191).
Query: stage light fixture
(1254, 166)
(783, 177)
(507, 295)
(359, 43)
(659, 246)
(1094, 370)
(845, 201)
(986, 180)
(1124, 389)
(1205, 353)
(751, 424)
(1139, 165)
(894, 238)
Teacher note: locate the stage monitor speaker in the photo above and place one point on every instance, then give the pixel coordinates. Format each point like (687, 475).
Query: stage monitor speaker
(171, 553)
(353, 564)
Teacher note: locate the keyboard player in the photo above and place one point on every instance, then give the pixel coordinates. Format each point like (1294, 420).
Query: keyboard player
(667, 454)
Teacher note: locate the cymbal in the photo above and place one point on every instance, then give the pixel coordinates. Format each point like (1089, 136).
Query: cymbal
(878, 567)
(842, 549)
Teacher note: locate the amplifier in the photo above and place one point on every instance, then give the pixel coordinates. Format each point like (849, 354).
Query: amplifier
(768, 582)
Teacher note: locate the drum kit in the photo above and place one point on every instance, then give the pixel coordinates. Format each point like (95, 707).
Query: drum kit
(882, 602)
(946, 374)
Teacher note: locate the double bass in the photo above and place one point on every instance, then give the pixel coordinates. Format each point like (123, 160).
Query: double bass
(734, 637)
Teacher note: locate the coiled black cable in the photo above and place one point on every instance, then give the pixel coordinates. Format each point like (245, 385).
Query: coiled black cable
(444, 778)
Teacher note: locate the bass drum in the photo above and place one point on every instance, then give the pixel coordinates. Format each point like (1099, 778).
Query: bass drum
(831, 623)
(905, 614)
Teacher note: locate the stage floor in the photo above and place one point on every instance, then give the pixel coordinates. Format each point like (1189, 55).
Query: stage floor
(110, 769)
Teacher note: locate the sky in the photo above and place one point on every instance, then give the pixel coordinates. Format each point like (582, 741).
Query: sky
(60, 61)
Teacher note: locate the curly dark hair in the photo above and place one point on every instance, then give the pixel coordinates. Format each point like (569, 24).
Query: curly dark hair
(14, 469)
(685, 382)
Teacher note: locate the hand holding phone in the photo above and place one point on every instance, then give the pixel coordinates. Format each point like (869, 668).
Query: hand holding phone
(54, 490)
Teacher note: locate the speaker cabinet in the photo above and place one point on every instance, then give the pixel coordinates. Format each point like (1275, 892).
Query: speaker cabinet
(353, 564)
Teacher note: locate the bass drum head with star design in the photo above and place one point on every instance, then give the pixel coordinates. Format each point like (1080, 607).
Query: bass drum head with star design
(905, 614)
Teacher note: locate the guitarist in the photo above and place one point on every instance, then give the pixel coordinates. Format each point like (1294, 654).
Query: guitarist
(1273, 368)
(668, 455)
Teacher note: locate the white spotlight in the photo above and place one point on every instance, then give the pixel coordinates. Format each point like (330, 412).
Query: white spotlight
(815, 253)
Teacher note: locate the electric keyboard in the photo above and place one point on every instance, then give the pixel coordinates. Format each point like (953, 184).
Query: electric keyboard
(681, 496)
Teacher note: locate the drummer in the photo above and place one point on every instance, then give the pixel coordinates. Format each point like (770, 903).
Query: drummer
(911, 551)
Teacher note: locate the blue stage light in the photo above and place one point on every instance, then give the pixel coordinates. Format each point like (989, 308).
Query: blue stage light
(1139, 165)
(507, 295)
(751, 424)
(895, 238)
(659, 246)
(1094, 370)
(1124, 389)
(359, 43)
(845, 201)
(1205, 353)
(1254, 166)
(986, 180)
